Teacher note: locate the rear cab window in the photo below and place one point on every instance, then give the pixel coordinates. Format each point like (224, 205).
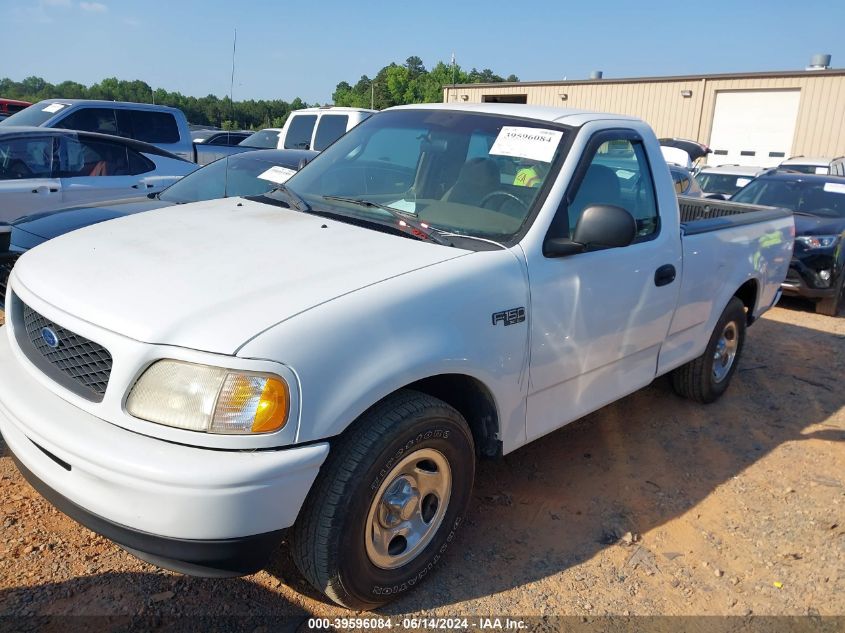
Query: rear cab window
(330, 128)
(299, 131)
(149, 126)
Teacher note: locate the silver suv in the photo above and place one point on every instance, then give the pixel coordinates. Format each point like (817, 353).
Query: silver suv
(162, 126)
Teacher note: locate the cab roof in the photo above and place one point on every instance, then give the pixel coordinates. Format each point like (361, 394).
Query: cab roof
(567, 116)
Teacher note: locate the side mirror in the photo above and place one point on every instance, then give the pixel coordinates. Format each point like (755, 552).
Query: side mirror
(600, 226)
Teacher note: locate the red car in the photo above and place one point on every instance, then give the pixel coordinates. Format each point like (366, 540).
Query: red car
(9, 106)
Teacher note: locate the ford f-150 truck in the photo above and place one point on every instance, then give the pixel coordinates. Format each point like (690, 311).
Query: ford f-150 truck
(442, 284)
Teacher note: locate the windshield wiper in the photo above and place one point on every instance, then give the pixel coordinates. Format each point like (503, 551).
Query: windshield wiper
(406, 219)
(296, 201)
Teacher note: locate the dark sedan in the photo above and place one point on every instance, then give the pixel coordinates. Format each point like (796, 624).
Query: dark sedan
(818, 202)
(249, 174)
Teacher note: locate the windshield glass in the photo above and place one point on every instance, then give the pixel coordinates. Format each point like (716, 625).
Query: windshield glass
(727, 184)
(35, 115)
(819, 197)
(467, 173)
(266, 139)
(227, 177)
(807, 169)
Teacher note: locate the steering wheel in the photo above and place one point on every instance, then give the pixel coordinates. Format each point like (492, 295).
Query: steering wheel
(503, 194)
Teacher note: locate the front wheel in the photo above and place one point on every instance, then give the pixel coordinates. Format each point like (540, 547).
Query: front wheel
(388, 502)
(707, 377)
(832, 305)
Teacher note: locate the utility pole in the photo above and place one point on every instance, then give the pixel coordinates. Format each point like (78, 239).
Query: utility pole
(454, 75)
(232, 82)
(372, 94)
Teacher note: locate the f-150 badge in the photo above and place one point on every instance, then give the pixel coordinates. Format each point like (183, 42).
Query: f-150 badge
(509, 317)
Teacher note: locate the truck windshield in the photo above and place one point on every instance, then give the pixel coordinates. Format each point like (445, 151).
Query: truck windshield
(466, 173)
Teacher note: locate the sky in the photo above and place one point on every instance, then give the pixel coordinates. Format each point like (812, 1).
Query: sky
(303, 49)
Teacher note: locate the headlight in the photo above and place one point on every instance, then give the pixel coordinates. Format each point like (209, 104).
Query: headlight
(812, 242)
(210, 399)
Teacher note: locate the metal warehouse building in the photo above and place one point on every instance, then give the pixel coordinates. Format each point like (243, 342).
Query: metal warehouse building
(747, 119)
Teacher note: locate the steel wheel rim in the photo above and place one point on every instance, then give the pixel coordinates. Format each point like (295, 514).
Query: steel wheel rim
(408, 509)
(723, 357)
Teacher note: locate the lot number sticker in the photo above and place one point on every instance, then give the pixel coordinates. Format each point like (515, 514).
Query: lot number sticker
(834, 187)
(277, 174)
(54, 107)
(527, 142)
(741, 182)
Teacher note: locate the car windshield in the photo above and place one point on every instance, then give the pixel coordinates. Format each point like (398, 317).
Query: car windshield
(267, 139)
(469, 174)
(231, 176)
(727, 184)
(35, 115)
(821, 198)
(807, 169)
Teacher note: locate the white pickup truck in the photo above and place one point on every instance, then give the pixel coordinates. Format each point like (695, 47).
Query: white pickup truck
(444, 283)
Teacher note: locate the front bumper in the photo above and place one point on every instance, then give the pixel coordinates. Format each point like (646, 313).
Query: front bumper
(169, 502)
(802, 279)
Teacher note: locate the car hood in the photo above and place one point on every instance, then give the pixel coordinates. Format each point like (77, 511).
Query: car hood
(818, 225)
(212, 275)
(51, 224)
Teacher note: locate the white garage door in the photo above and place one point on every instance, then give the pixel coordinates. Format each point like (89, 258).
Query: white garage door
(753, 127)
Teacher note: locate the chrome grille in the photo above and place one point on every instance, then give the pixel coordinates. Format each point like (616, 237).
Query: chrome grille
(87, 364)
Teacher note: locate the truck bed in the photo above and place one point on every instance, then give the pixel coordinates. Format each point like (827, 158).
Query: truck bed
(702, 215)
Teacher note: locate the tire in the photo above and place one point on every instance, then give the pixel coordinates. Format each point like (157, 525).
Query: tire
(707, 377)
(409, 437)
(830, 306)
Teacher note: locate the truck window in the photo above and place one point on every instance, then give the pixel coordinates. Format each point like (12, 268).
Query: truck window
(618, 174)
(153, 127)
(299, 132)
(330, 128)
(100, 120)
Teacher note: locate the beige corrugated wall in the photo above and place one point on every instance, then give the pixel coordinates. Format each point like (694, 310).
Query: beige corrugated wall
(819, 130)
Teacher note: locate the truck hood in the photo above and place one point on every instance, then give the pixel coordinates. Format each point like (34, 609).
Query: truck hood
(818, 225)
(211, 275)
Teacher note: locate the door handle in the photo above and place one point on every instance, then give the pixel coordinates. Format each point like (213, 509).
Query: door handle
(664, 275)
(45, 190)
(142, 185)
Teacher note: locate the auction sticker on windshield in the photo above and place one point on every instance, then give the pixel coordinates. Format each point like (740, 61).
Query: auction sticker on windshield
(741, 182)
(54, 107)
(277, 174)
(527, 142)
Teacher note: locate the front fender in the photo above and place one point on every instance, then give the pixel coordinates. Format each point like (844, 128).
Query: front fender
(353, 351)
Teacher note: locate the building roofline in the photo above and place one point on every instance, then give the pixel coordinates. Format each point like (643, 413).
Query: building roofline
(669, 78)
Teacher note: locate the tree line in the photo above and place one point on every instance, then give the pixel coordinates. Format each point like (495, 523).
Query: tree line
(394, 84)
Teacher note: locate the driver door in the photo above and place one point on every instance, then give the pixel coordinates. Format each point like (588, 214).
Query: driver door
(599, 317)
(27, 182)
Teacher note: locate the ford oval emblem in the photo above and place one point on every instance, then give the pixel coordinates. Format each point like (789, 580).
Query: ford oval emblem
(50, 337)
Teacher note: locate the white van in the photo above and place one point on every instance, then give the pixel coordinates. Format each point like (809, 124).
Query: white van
(310, 128)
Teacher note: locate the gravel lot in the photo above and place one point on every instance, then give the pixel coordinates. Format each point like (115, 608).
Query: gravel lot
(653, 505)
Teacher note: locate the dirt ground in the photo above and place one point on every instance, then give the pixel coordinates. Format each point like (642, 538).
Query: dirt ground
(651, 506)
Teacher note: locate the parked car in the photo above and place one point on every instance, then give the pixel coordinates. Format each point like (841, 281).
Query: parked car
(250, 174)
(157, 125)
(685, 184)
(268, 138)
(807, 165)
(818, 202)
(837, 166)
(8, 107)
(337, 361)
(219, 137)
(683, 152)
(725, 180)
(42, 169)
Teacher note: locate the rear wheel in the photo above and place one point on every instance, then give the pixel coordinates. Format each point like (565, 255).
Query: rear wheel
(707, 377)
(388, 502)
